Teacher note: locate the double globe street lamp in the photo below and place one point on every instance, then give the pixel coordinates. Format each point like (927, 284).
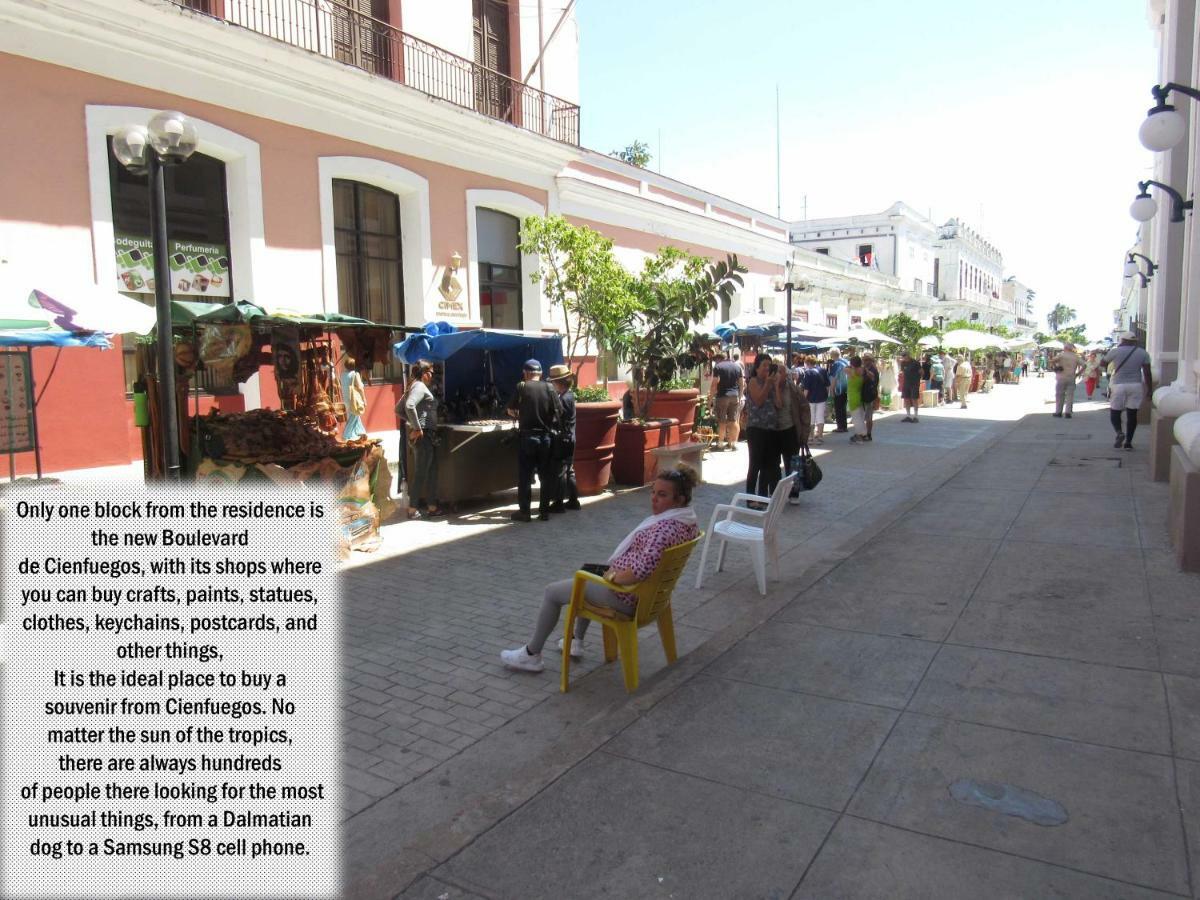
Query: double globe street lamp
(1163, 128)
(168, 139)
(789, 282)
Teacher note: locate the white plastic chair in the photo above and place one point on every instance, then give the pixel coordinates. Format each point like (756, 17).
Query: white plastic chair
(758, 532)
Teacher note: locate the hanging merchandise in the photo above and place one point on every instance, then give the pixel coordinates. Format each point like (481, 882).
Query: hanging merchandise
(285, 350)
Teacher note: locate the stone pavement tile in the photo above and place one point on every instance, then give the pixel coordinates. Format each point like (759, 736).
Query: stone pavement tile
(612, 827)
(426, 888)
(1061, 698)
(1175, 601)
(965, 516)
(1185, 714)
(787, 745)
(869, 861)
(1123, 818)
(928, 615)
(1188, 773)
(1009, 474)
(1106, 520)
(843, 665)
(893, 559)
(1064, 601)
(1084, 471)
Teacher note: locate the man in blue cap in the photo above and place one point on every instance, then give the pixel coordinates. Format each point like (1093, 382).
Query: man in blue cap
(536, 406)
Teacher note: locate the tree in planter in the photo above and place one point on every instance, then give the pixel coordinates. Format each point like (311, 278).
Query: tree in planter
(580, 276)
(673, 292)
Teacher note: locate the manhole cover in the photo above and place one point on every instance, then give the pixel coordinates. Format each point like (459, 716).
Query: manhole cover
(1086, 462)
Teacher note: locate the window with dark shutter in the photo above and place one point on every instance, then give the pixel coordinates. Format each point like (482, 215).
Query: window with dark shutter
(493, 94)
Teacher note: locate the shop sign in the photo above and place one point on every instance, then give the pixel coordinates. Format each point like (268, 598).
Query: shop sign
(16, 402)
(197, 269)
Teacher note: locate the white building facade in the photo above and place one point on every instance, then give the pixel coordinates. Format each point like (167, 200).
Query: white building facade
(970, 275)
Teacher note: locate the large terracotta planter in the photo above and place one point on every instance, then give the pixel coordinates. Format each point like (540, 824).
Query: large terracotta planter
(633, 463)
(679, 404)
(595, 440)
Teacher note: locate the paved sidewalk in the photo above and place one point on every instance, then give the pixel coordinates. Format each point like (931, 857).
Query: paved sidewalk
(978, 677)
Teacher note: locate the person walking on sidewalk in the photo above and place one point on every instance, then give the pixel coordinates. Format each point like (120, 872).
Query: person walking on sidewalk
(937, 377)
(672, 521)
(854, 399)
(1131, 382)
(910, 386)
(948, 376)
(962, 379)
(764, 396)
(870, 394)
(566, 494)
(816, 389)
(1091, 373)
(837, 378)
(538, 411)
(1066, 369)
(728, 383)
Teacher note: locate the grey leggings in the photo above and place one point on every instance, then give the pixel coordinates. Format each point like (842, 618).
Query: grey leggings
(558, 596)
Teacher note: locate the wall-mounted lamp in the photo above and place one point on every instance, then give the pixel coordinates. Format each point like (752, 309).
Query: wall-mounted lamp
(1144, 207)
(1131, 267)
(1165, 125)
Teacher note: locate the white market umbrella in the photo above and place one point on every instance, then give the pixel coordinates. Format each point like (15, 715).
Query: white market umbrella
(1052, 345)
(81, 305)
(865, 335)
(969, 339)
(1018, 343)
(749, 320)
(930, 341)
(814, 331)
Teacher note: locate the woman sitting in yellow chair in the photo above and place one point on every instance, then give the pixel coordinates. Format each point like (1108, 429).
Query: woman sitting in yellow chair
(673, 522)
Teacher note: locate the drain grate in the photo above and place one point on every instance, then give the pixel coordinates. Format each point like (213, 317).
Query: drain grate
(1086, 462)
(1062, 437)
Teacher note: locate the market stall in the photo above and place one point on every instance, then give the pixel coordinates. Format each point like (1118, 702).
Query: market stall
(476, 373)
(296, 358)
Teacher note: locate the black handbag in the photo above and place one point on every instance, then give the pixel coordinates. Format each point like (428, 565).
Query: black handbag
(810, 473)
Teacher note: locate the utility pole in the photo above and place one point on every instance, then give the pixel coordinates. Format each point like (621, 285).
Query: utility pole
(778, 160)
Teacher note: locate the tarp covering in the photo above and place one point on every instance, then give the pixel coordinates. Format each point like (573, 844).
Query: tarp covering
(474, 358)
(244, 312)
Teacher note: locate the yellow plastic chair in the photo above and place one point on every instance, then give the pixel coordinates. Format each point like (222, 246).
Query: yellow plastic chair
(620, 632)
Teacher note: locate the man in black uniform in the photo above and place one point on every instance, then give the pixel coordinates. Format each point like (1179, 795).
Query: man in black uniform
(538, 411)
(566, 496)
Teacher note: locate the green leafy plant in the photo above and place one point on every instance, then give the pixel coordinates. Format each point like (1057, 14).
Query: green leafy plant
(904, 328)
(1060, 317)
(591, 393)
(637, 154)
(581, 277)
(673, 291)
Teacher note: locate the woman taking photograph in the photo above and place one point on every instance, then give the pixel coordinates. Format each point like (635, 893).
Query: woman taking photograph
(418, 410)
(764, 397)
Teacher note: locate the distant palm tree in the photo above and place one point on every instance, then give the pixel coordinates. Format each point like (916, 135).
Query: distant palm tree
(1060, 317)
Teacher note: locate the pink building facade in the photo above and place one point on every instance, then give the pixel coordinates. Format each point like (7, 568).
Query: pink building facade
(335, 172)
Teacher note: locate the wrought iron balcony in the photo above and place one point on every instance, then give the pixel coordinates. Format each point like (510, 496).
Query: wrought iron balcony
(331, 29)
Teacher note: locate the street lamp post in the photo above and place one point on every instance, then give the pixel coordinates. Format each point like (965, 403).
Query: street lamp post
(788, 283)
(168, 139)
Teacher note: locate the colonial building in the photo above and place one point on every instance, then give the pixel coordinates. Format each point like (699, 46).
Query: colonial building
(970, 275)
(352, 157)
(1172, 311)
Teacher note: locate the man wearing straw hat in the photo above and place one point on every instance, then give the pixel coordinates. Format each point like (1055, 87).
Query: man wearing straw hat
(566, 494)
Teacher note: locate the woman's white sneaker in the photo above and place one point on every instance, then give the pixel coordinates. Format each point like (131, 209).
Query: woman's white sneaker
(522, 660)
(576, 648)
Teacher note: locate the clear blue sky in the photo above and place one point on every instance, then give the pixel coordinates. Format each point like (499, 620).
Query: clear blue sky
(1018, 117)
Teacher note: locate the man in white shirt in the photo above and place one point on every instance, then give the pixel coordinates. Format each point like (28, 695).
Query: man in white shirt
(1066, 368)
(962, 379)
(1129, 386)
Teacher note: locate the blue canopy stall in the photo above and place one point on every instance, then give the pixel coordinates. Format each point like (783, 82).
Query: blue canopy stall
(479, 372)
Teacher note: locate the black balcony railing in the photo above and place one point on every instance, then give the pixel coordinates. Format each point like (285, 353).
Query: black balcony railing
(336, 31)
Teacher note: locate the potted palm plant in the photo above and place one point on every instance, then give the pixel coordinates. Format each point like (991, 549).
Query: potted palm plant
(673, 292)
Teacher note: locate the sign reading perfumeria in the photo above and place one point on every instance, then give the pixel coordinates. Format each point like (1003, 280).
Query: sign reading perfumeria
(198, 270)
